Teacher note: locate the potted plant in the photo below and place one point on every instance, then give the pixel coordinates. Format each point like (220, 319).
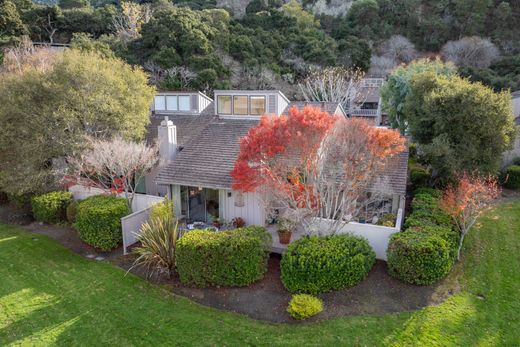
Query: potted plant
(285, 230)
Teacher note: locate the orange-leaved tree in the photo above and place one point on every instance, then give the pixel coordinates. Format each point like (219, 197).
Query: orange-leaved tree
(314, 165)
(465, 200)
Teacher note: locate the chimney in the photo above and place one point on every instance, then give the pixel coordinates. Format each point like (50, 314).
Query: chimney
(167, 137)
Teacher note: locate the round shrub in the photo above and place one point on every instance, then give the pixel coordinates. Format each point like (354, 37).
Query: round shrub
(429, 191)
(317, 264)
(418, 258)
(303, 306)
(71, 211)
(98, 221)
(513, 177)
(419, 176)
(228, 258)
(50, 207)
(448, 234)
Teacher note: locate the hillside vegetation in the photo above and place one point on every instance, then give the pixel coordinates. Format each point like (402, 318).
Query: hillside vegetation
(207, 44)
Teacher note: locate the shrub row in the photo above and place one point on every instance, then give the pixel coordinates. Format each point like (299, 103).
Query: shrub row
(317, 264)
(51, 207)
(98, 220)
(228, 258)
(425, 252)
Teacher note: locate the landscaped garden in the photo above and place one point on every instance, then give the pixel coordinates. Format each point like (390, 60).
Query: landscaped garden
(49, 295)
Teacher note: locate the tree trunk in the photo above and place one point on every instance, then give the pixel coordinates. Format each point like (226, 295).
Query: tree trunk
(460, 246)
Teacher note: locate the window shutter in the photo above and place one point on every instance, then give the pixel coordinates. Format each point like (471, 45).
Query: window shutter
(271, 105)
(195, 103)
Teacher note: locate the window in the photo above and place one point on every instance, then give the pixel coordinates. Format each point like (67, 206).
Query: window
(224, 104)
(184, 103)
(160, 103)
(258, 105)
(240, 104)
(171, 103)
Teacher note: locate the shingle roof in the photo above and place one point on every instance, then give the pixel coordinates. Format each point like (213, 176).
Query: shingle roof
(324, 106)
(188, 126)
(396, 171)
(208, 158)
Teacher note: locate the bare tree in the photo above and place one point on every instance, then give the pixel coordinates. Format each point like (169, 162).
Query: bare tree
(399, 49)
(471, 51)
(335, 84)
(26, 55)
(129, 20)
(381, 66)
(344, 177)
(113, 165)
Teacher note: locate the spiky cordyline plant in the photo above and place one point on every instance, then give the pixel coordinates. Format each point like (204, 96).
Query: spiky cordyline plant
(158, 240)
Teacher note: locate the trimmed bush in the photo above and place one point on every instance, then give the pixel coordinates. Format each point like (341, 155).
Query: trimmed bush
(71, 212)
(387, 220)
(228, 258)
(316, 264)
(50, 207)
(418, 258)
(513, 177)
(448, 234)
(426, 211)
(98, 221)
(303, 306)
(429, 191)
(419, 176)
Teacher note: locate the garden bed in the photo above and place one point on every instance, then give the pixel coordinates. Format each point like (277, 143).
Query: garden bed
(267, 299)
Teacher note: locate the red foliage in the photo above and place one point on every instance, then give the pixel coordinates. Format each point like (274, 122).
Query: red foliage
(297, 136)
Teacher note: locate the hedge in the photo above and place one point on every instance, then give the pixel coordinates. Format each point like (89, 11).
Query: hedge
(419, 176)
(426, 250)
(98, 220)
(418, 258)
(303, 306)
(513, 177)
(71, 212)
(229, 258)
(51, 207)
(317, 264)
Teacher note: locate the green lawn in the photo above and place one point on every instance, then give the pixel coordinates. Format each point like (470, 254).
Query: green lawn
(50, 296)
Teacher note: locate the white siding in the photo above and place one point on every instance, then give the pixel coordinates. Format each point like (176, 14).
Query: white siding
(252, 211)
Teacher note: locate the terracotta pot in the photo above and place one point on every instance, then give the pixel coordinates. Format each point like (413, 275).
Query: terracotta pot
(284, 236)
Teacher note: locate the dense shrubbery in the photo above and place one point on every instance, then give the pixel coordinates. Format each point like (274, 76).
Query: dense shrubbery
(513, 177)
(51, 207)
(71, 211)
(319, 264)
(419, 176)
(228, 258)
(303, 306)
(426, 251)
(98, 220)
(418, 258)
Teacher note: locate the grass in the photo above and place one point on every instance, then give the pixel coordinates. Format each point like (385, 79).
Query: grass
(50, 296)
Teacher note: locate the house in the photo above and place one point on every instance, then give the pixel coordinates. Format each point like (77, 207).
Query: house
(367, 102)
(199, 149)
(509, 156)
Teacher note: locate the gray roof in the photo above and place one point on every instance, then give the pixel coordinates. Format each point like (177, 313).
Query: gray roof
(188, 126)
(207, 159)
(324, 106)
(396, 171)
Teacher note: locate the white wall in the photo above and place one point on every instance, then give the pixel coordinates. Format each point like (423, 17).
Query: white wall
(140, 202)
(252, 212)
(378, 236)
(131, 225)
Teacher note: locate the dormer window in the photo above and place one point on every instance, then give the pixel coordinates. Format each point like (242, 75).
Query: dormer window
(240, 105)
(249, 103)
(257, 105)
(180, 102)
(224, 104)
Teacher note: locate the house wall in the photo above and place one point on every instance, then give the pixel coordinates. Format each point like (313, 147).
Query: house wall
(252, 210)
(275, 102)
(509, 156)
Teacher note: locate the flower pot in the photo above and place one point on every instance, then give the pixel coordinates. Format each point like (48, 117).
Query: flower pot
(284, 236)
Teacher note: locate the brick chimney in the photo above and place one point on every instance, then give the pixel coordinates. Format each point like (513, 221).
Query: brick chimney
(167, 137)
